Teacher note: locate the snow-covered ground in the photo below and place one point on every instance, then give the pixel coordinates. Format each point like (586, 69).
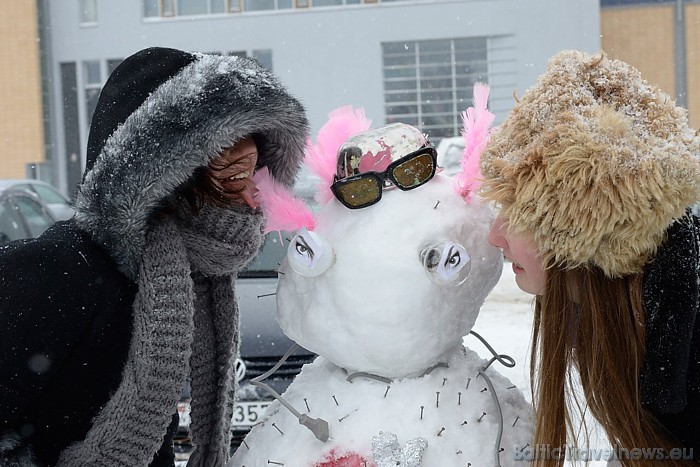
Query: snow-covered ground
(505, 321)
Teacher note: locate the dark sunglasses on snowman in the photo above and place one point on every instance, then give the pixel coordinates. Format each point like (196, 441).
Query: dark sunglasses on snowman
(409, 172)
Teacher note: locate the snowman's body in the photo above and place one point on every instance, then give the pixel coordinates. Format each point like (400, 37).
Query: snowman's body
(451, 408)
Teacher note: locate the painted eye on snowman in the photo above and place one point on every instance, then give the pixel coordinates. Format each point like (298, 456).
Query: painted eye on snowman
(446, 263)
(309, 254)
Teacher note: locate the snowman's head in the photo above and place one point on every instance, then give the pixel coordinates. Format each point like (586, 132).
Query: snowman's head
(391, 283)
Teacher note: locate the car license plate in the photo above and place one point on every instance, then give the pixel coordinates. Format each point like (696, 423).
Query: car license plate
(183, 410)
(247, 414)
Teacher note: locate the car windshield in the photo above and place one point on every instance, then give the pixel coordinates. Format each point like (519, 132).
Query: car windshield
(49, 195)
(268, 260)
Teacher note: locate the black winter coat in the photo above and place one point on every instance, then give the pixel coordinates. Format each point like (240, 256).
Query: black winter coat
(670, 380)
(66, 321)
(66, 314)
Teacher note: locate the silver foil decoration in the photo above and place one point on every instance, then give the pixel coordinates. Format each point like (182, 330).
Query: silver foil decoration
(388, 453)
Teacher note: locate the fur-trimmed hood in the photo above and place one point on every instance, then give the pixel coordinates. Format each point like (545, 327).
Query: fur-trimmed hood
(187, 114)
(595, 163)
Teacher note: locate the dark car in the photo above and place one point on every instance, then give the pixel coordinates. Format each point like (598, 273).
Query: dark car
(262, 345)
(22, 215)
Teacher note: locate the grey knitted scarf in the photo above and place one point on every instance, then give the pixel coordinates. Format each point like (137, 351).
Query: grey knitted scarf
(185, 322)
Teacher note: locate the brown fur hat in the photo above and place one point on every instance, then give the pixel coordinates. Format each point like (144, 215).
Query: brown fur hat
(594, 162)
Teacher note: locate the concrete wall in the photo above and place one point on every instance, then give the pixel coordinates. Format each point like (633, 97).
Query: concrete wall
(21, 117)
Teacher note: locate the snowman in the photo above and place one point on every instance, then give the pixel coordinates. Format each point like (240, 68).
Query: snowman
(383, 282)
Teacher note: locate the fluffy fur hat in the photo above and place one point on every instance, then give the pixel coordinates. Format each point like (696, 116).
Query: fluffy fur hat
(594, 162)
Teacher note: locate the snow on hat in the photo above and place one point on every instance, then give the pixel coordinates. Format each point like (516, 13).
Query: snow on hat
(595, 163)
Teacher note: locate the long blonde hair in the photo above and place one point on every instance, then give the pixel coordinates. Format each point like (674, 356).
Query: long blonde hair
(595, 329)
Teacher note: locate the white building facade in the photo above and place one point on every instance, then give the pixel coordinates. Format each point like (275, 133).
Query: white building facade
(413, 61)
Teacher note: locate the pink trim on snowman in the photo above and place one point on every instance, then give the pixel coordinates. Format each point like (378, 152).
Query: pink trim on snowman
(282, 209)
(477, 126)
(322, 157)
(286, 212)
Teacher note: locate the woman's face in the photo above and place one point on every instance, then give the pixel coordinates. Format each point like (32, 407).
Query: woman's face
(522, 252)
(233, 171)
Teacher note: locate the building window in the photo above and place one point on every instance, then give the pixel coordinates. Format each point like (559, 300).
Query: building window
(322, 3)
(233, 6)
(93, 85)
(429, 83)
(151, 8)
(88, 12)
(258, 5)
(113, 64)
(264, 57)
(169, 8)
(191, 7)
(262, 5)
(328, 2)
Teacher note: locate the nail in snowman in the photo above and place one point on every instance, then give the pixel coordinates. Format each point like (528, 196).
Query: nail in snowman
(383, 282)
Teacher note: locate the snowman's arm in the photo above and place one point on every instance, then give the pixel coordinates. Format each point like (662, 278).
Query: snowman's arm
(318, 426)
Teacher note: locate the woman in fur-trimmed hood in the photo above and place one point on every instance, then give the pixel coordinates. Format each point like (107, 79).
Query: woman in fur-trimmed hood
(105, 315)
(594, 171)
